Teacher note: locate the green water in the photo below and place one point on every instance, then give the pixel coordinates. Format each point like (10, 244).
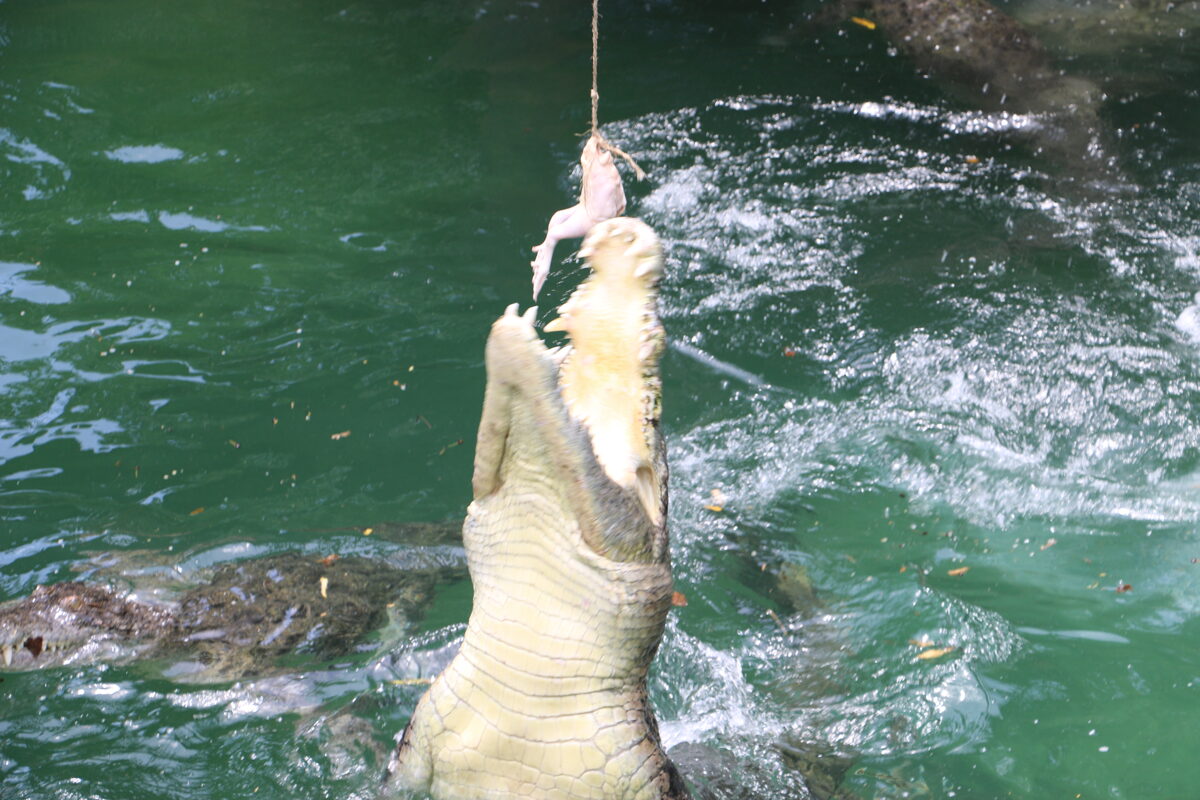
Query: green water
(232, 230)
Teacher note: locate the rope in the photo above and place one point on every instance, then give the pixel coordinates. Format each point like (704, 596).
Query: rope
(600, 140)
(595, 61)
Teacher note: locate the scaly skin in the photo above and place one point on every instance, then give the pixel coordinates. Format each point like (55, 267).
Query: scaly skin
(76, 622)
(248, 614)
(567, 548)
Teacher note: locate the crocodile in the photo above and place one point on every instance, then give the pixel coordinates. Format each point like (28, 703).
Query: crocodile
(239, 623)
(992, 61)
(567, 549)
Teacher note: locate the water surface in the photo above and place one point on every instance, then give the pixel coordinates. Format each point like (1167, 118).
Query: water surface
(249, 254)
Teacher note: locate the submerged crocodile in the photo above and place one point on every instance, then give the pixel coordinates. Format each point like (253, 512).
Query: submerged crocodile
(566, 544)
(992, 61)
(239, 623)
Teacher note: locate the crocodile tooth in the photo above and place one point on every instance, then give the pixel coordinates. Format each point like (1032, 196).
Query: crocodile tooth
(586, 251)
(530, 314)
(556, 324)
(511, 311)
(7, 652)
(644, 268)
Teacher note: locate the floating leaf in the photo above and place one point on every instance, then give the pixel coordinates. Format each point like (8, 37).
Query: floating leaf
(935, 652)
(866, 23)
(196, 511)
(329, 559)
(920, 643)
(411, 681)
(1049, 543)
(324, 586)
(972, 159)
(368, 531)
(957, 571)
(718, 497)
(235, 443)
(678, 599)
(717, 509)
(1124, 587)
(341, 435)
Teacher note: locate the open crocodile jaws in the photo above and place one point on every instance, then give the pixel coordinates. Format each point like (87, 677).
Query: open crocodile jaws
(566, 543)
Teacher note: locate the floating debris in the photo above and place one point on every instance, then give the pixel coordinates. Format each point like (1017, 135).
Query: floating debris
(411, 681)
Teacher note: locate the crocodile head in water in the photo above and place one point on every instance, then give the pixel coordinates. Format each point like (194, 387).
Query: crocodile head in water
(72, 622)
(567, 547)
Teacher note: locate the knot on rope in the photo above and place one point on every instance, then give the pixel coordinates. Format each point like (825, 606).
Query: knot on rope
(605, 144)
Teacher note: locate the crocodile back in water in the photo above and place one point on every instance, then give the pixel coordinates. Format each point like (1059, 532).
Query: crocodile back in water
(239, 623)
(567, 548)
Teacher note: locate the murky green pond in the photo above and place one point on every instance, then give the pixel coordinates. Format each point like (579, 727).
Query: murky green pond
(249, 254)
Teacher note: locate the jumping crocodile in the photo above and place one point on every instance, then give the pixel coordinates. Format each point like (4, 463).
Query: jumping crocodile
(566, 544)
(238, 623)
(567, 547)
